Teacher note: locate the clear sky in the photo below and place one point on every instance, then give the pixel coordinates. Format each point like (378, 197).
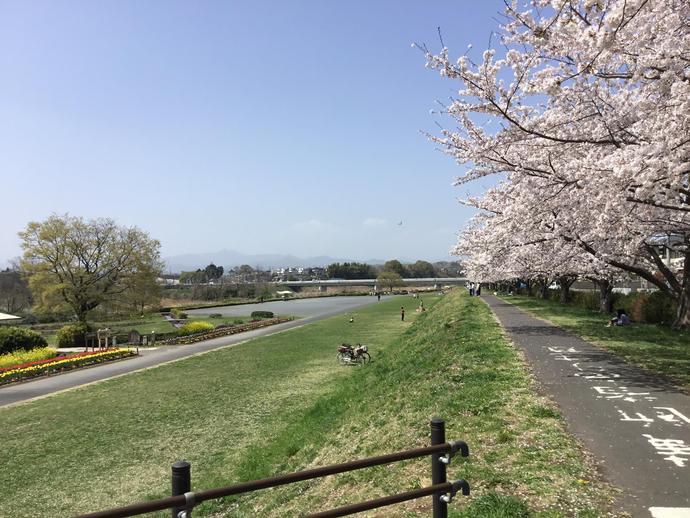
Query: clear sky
(263, 127)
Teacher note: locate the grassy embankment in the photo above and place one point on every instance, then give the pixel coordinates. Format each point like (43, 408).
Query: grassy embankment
(659, 349)
(281, 403)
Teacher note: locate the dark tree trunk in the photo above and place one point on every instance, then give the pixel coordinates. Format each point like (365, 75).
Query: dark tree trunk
(565, 282)
(683, 314)
(605, 295)
(529, 285)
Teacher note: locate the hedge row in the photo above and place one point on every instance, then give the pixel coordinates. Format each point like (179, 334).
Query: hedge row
(18, 338)
(261, 314)
(224, 331)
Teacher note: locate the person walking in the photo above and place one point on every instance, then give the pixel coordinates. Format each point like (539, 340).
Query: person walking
(402, 313)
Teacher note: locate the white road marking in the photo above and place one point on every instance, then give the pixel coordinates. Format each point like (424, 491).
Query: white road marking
(670, 512)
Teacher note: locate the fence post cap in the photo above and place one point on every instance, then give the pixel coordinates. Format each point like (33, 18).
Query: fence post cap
(181, 464)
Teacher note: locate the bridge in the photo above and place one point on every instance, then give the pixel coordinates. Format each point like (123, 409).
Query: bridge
(429, 281)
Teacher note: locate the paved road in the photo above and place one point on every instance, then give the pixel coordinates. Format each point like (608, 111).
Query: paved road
(311, 309)
(295, 307)
(636, 425)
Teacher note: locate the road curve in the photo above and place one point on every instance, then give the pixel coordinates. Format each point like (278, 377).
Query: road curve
(310, 310)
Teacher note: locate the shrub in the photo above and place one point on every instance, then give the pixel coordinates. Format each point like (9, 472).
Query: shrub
(238, 321)
(178, 314)
(215, 315)
(585, 299)
(16, 338)
(192, 328)
(256, 315)
(72, 335)
(224, 326)
(659, 308)
(30, 318)
(22, 356)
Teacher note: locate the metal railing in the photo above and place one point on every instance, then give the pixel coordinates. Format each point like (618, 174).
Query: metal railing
(183, 500)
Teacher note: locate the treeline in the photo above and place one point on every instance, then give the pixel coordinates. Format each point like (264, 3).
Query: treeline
(200, 276)
(219, 292)
(418, 270)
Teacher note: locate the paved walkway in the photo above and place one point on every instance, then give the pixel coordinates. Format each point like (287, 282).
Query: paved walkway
(637, 426)
(17, 393)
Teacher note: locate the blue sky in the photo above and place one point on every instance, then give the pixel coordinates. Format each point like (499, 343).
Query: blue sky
(264, 127)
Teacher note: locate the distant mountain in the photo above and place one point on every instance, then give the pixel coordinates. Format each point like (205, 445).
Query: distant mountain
(230, 258)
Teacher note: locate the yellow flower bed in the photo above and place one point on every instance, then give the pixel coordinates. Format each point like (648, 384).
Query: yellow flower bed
(63, 363)
(22, 356)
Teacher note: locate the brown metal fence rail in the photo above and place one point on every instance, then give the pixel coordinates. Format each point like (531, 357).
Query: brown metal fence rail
(442, 492)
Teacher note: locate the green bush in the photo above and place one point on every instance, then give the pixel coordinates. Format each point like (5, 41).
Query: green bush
(72, 335)
(16, 338)
(585, 299)
(178, 314)
(659, 308)
(192, 328)
(256, 315)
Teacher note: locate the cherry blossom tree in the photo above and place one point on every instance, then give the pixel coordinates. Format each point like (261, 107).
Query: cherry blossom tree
(586, 109)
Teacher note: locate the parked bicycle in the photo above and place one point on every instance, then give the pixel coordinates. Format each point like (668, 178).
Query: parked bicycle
(357, 355)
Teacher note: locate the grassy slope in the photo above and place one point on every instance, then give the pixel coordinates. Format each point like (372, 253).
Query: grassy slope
(281, 403)
(659, 349)
(112, 443)
(453, 363)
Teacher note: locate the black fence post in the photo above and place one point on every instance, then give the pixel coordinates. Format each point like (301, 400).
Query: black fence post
(181, 482)
(438, 468)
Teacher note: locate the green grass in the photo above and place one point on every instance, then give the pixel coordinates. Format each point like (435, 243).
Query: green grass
(281, 403)
(659, 349)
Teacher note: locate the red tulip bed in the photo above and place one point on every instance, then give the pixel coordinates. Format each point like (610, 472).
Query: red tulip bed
(225, 331)
(35, 369)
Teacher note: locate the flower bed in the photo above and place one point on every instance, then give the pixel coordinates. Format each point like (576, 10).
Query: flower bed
(12, 360)
(224, 331)
(61, 363)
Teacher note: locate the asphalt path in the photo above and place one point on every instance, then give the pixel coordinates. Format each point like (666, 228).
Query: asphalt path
(635, 424)
(310, 310)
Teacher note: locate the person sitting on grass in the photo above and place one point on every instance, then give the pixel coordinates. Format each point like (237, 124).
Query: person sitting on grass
(622, 319)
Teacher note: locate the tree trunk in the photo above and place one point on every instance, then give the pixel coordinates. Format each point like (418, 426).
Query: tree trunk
(605, 296)
(564, 297)
(683, 315)
(565, 283)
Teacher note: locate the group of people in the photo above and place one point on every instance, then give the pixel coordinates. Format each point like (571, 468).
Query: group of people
(475, 289)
